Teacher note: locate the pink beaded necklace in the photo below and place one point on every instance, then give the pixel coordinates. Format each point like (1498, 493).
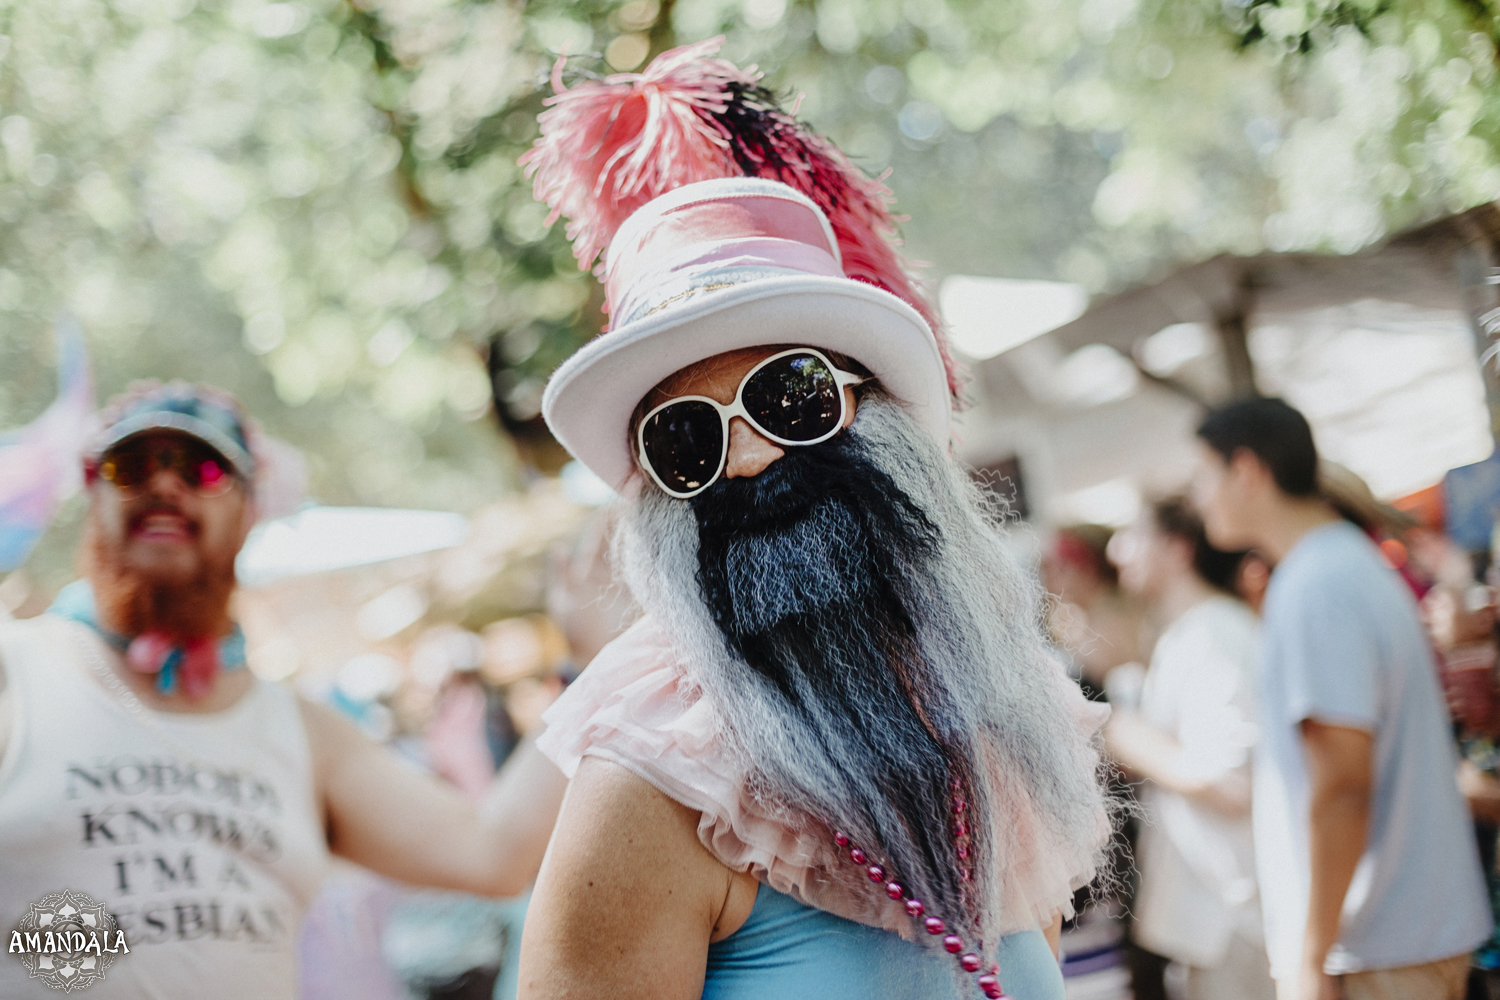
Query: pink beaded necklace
(989, 974)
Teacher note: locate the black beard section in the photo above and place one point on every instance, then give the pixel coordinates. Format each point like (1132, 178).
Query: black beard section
(803, 570)
(818, 528)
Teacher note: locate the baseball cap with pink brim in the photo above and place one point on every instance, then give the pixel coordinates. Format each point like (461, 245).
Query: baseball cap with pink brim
(721, 265)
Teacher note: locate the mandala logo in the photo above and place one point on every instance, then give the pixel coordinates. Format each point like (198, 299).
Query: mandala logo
(67, 939)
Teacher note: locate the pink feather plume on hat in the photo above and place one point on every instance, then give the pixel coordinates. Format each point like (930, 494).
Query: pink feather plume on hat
(609, 146)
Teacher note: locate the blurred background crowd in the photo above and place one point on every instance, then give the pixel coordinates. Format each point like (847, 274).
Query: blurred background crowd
(1130, 209)
(1156, 592)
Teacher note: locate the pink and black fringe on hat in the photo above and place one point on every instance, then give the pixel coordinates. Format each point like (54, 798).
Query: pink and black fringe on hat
(691, 126)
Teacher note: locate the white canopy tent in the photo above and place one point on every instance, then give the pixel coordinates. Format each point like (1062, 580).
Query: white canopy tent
(323, 539)
(1380, 350)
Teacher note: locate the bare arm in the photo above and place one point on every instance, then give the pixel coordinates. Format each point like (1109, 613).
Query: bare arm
(628, 898)
(390, 817)
(1053, 933)
(1148, 752)
(1340, 768)
(1480, 789)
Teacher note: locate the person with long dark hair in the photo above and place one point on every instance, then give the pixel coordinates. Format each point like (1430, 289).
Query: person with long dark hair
(1190, 739)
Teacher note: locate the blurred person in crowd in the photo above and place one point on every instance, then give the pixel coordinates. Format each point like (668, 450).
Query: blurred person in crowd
(1460, 616)
(1100, 628)
(836, 757)
(1461, 623)
(585, 597)
(1369, 877)
(1098, 624)
(1351, 499)
(450, 947)
(144, 766)
(1251, 580)
(1465, 642)
(1189, 738)
(471, 733)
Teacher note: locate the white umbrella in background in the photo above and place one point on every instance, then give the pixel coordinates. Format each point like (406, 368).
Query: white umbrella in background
(322, 539)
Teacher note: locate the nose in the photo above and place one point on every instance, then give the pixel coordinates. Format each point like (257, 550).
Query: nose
(167, 484)
(749, 453)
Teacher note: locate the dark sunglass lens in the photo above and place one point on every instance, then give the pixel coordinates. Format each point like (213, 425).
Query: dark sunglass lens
(795, 398)
(684, 442)
(127, 470)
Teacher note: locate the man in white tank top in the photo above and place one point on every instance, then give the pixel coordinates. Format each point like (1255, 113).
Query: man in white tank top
(199, 804)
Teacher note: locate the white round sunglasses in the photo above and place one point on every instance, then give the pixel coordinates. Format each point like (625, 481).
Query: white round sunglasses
(793, 398)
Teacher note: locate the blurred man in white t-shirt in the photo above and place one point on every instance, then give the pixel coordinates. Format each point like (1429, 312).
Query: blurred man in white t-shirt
(1190, 739)
(1369, 872)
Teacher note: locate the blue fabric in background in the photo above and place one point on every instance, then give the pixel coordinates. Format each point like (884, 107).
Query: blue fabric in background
(787, 951)
(1471, 503)
(40, 462)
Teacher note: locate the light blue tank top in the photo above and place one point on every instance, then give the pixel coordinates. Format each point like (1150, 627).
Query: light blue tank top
(787, 951)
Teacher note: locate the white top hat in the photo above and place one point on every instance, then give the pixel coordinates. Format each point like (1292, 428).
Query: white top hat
(717, 266)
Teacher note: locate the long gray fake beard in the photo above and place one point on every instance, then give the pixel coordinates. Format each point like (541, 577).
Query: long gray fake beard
(985, 665)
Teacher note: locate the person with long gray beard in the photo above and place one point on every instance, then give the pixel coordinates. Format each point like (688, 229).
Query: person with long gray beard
(836, 756)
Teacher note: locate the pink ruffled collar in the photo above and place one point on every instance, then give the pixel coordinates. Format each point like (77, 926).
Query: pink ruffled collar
(635, 706)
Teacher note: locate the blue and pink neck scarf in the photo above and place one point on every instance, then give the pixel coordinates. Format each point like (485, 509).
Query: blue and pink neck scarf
(189, 666)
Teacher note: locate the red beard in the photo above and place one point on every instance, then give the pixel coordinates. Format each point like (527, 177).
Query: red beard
(131, 604)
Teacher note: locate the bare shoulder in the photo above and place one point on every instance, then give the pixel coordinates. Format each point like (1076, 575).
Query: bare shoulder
(619, 838)
(618, 817)
(16, 630)
(329, 727)
(320, 721)
(331, 739)
(628, 895)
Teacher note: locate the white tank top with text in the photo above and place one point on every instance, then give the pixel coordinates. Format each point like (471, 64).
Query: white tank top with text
(199, 833)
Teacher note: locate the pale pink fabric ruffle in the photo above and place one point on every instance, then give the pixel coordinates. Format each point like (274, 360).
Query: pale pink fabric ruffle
(635, 707)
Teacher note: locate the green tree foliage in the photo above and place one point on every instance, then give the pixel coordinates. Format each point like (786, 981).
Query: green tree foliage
(1390, 107)
(212, 191)
(316, 202)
